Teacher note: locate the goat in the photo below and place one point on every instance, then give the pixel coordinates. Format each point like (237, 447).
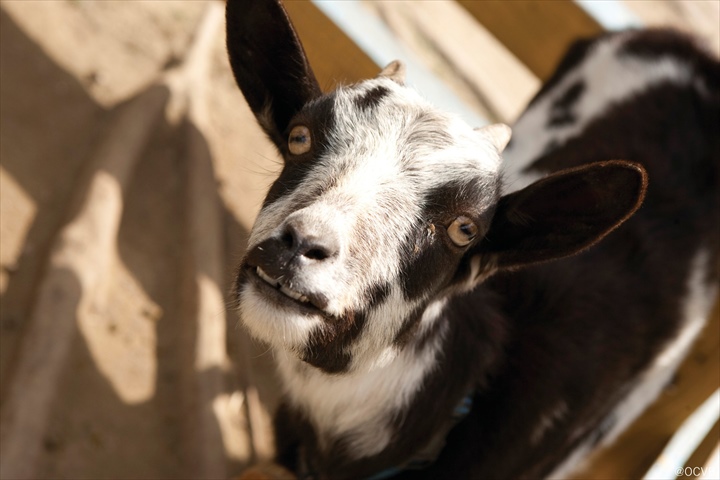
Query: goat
(436, 312)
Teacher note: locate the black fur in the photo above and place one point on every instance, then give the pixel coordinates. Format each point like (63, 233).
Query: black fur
(372, 98)
(327, 348)
(318, 116)
(253, 51)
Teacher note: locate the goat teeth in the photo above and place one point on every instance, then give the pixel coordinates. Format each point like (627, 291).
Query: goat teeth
(266, 277)
(276, 283)
(294, 295)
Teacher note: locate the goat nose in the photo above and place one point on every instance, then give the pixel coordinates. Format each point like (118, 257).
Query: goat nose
(314, 244)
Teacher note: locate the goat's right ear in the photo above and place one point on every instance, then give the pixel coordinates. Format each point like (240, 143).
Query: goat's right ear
(269, 63)
(563, 213)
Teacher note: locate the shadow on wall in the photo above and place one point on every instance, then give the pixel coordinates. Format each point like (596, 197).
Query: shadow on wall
(145, 329)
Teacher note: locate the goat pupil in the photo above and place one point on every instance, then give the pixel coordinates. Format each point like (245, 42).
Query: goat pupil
(299, 140)
(468, 229)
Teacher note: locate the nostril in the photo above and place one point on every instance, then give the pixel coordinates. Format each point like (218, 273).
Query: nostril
(291, 238)
(316, 254)
(288, 239)
(308, 243)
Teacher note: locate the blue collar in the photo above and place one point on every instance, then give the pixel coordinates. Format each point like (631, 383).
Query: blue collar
(428, 454)
(424, 457)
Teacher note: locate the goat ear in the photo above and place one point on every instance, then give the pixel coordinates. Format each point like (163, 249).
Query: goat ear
(269, 63)
(498, 133)
(563, 213)
(395, 71)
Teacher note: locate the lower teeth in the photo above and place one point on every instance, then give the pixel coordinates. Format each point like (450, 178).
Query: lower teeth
(275, 283)
(292, 294)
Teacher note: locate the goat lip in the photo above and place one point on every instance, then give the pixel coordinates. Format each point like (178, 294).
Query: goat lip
(280, 293)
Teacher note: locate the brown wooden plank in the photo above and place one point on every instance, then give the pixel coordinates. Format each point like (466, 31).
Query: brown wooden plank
(537, 32)
(702, 454)
(334, 57)
(463, 54)
(699, 18)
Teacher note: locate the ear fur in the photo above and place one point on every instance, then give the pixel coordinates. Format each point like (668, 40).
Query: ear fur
(498, 133)
(563, 213)
(395, 71)
(269, 63)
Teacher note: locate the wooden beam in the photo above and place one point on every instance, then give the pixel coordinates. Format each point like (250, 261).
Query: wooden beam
(333, 56)
(537, 33)
(74, 281)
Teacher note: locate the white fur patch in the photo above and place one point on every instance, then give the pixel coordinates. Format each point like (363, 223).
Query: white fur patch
(609, 79)
(274, 325)
(359, 405)
(381, 327)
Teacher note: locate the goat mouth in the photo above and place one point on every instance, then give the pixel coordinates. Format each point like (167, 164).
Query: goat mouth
(277, 283)
(282, 291)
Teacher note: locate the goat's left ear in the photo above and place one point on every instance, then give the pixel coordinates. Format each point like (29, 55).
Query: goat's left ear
(562, 214)
(269, 63)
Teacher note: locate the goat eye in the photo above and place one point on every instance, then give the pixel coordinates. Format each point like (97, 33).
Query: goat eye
(462, 231)
(299, 140)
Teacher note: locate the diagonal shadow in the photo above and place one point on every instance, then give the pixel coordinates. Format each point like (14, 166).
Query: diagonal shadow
(49, 128)
(48, 121)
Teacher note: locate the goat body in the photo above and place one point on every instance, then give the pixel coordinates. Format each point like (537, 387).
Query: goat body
(399, 268)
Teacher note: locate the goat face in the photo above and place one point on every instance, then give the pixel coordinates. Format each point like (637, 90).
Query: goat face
(385, 204)
(380, 197)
